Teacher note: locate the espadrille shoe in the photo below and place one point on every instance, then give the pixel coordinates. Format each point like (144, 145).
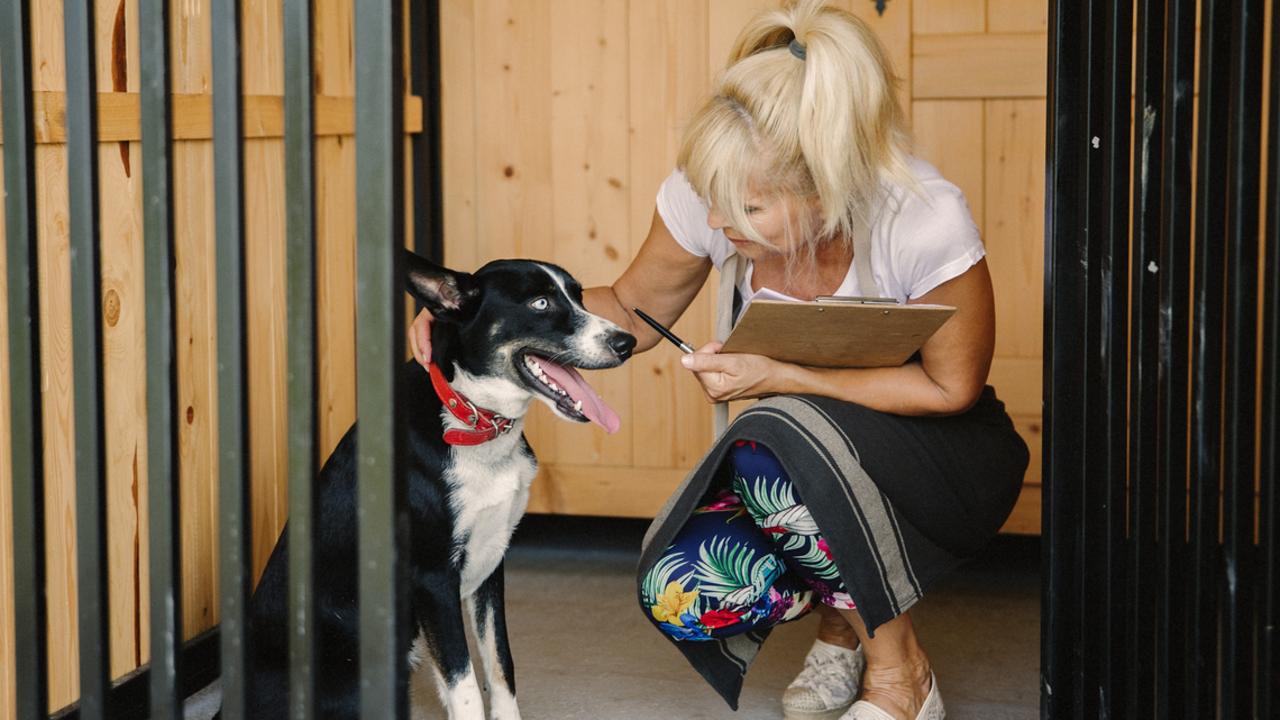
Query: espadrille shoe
(932, 708)
(827, 685)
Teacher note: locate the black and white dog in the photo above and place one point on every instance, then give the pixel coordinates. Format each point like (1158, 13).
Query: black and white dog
(511, 332)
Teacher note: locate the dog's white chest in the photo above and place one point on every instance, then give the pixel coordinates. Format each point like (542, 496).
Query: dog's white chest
(490, 485)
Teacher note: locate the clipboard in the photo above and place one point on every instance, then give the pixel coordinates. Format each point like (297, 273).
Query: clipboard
(834, 331)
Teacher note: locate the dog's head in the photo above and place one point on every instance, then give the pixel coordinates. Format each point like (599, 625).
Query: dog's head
(517, 329)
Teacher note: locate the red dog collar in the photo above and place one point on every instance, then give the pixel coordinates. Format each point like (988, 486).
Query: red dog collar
(485, 424)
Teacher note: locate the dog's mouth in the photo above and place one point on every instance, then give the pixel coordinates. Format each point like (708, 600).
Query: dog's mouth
(568, 392)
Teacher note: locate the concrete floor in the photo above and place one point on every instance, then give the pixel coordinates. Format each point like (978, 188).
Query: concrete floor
(583, 650)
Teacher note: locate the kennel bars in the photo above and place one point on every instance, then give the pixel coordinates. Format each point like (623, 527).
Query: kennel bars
(158, 691)
(1159, 543)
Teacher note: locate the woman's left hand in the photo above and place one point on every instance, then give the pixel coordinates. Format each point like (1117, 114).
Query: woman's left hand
(732, 376)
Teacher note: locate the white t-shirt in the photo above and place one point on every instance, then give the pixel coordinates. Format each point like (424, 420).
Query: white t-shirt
(919, 238)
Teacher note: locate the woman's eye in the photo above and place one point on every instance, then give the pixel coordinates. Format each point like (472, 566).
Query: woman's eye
(540, 303)
(751, 209)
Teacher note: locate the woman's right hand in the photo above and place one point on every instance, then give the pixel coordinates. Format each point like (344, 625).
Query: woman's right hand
(420, 338)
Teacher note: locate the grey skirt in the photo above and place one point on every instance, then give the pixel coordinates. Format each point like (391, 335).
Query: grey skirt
(899, 500)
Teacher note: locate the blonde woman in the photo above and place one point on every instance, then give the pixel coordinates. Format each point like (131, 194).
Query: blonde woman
(846, 491)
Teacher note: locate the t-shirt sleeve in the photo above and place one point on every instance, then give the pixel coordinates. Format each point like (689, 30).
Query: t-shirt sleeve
(934, 238)
(685, 215)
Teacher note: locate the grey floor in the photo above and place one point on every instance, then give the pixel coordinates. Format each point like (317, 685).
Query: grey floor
(583, 649)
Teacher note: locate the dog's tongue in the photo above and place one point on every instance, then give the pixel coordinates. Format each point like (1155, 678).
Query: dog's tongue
(592, 405)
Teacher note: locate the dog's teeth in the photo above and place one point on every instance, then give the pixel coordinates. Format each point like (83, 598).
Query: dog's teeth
(578, 406)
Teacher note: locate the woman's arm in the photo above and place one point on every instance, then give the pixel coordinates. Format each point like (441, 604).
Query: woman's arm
(948, 379)
(662, 280)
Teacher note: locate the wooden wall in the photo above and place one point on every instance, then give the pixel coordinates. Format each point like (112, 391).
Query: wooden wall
(561, 117)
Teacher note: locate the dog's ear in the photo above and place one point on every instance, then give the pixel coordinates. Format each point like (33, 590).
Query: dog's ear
(449, 295)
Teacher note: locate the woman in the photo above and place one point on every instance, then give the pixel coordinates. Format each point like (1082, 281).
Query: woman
(794, 179)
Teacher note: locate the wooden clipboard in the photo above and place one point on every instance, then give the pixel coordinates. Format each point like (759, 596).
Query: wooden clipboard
(836, 332)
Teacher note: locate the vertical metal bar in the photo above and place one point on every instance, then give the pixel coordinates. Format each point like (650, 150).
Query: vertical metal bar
(1111, 458)
(163, 486)
(1236, 696)
(1144, 338)
(300, 229)
(1065, 249)
(93, 609)
(26, 423)
(1201, 622)
(428, 161)
(233, 451)
(380, 354)
(1174, 278)
(1092, 604)
(1267, 683)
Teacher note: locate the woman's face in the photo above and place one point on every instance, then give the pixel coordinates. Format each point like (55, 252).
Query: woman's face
(779, 219)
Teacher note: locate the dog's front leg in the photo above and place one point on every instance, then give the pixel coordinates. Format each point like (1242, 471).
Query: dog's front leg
(438, 611)
(488, 617)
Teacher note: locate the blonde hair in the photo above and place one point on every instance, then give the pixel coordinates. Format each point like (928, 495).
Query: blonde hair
(815, 121)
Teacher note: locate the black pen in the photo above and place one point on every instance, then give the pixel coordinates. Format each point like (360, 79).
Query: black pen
(686, 347)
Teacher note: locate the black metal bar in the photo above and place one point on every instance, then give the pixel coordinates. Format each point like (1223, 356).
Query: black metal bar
(1065, 247)
(1236, 696)
(1144, 359)
(1174, 278)
(233, 452)
(163, 484)
(93, 608)
(1108, 455)
(1267, 684)
(380, 354)
(300, 230)
(26, 423)
(428, 160)
(1200, 624)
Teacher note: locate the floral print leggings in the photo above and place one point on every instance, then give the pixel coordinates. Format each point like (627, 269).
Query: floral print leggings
(750, 558)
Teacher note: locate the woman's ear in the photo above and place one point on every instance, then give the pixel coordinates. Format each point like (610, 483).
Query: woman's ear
(450, 296)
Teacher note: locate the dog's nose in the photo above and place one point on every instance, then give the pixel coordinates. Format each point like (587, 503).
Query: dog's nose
(622, 344)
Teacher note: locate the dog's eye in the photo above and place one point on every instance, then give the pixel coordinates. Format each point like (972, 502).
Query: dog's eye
(539, 303)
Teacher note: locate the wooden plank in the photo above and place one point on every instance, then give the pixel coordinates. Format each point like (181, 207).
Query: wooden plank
(124, 391)
(622, 491)
(1025, 519)
(1018, 383)
(725, 19)
(948, 16)
(1031, 429)
(1006, 65)
(950, 134)
(669, 77)
(119, 117)
(458, 128)
(335, 233)
(513, 149)
(590, 170)
(1015, 222)
(894, 30)
(1018, 16)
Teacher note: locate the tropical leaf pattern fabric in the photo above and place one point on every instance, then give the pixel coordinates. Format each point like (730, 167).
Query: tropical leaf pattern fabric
(751, 557)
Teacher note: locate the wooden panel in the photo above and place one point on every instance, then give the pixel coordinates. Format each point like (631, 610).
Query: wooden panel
(1018, 16)
(948, 16)
(1031, 429)
(983, 65)
(725, 18)
(590, 170)
(669, 78)
(1015, 222)
(1018, 382)
(623, 491)
(458, 127)
(894, 30)
(950, 134)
